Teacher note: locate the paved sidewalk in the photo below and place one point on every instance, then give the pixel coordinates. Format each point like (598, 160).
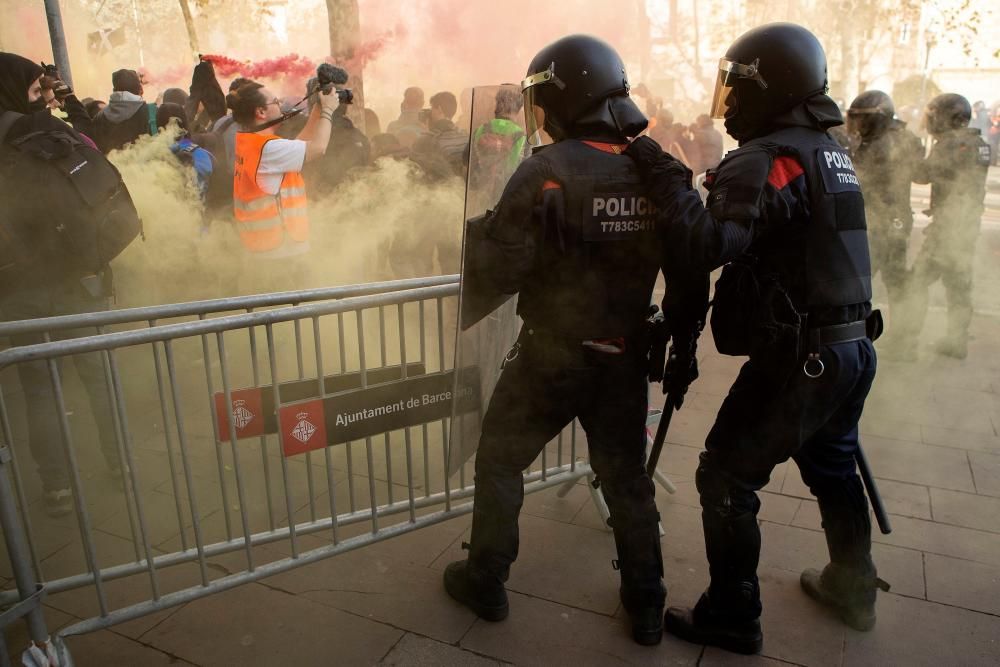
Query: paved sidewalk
(931, 431)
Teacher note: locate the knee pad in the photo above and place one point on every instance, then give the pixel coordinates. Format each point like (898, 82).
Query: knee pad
(630, 499)
(720, 494)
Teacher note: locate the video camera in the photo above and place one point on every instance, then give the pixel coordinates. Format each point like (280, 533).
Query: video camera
(328, 76)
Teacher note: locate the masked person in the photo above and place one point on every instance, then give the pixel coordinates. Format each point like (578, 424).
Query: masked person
(786, 218)
(956, 169)
(269, 193)
(574, 236)
(885, 156)
(46, 288)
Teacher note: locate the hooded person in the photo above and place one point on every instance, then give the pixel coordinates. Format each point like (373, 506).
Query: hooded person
(175, 96)
(127, 116)
(44, 287)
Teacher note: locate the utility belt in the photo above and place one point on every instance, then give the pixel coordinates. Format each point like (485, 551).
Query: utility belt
(563, 348)
(756, 317)
(818, 337)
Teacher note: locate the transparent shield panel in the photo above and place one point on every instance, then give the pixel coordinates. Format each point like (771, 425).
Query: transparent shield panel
(488, 323)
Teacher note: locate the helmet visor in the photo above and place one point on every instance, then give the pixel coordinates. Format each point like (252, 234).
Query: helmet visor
(534, 113)
(724, 98)
(863, 121)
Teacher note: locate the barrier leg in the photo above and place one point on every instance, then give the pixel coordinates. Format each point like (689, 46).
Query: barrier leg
(598, 498)
(20, 556)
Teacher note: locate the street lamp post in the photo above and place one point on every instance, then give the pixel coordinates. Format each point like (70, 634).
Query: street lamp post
(60, 54)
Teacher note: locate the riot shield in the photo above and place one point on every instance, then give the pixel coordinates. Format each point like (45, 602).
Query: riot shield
(488, 322)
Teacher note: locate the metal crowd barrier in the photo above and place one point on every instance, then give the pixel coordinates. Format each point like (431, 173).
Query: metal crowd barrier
(216, 440)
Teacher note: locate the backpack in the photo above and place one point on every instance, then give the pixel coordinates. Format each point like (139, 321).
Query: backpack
(493, 156)
(66, 211)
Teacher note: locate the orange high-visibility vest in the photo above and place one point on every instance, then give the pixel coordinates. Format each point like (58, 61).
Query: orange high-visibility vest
(263, 219)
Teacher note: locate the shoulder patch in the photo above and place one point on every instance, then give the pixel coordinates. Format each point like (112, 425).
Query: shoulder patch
(837, 169)
(784, 170)
(984, 156)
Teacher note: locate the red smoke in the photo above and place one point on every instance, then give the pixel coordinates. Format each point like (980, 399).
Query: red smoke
(369, 50)
(292, 65)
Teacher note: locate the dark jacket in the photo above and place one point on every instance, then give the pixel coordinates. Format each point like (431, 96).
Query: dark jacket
(122, 122)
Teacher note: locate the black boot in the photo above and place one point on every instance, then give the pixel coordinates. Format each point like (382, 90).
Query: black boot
(849, 594)
(712, 627)
(635, 523)
(477, 589)
(645, 618)
(848, 584)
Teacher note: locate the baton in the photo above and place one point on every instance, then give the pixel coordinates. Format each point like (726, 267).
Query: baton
(661, 435)
(881, 516)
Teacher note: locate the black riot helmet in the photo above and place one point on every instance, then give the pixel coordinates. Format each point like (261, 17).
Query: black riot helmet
(766, 72)
(870, 114)
(576, 87)
(946, 112)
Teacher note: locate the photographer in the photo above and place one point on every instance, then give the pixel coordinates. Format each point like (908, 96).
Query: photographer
(269, 196)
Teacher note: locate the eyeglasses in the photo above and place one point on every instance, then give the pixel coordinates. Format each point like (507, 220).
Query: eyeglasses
(275, 102)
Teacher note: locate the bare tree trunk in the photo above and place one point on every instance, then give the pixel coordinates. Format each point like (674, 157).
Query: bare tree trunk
(645, 49)
(849, 68)
(345, 38)
(189, 24)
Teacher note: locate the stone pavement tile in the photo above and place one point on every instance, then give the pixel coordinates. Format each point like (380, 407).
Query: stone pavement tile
(679, 460)
(919, 464)
(778, 476)
(793, 484)
(960, 409)
(716, 657)
(404, 596)
(986, 472)
(962, 583)
(423, 546)
(121, 593)
(966, 509)
(940, 538)
(873, 424)
(715, 383)
(414, 651)
(778, 508)
(548, 505)
(794, 549)
(710, 402)
(106, 647)
(787, 610)
(900, 499)
(256, 625)
(916, 632)
(690, 426)
(539, 632)
(566, 563)
(949, 437)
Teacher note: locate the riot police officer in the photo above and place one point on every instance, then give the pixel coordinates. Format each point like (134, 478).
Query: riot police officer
(885, 156)
(575, 236)
(956, 169)
(786, 217)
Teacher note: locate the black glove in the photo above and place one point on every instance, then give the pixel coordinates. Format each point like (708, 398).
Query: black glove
(681, 369)
(657, 165)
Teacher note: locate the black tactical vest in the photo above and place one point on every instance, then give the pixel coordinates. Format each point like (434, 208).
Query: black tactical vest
(598, 264)
(959, 163)
(832, 259)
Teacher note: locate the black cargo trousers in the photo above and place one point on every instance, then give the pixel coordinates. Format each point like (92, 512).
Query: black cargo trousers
(769, 416)
(542, 389)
